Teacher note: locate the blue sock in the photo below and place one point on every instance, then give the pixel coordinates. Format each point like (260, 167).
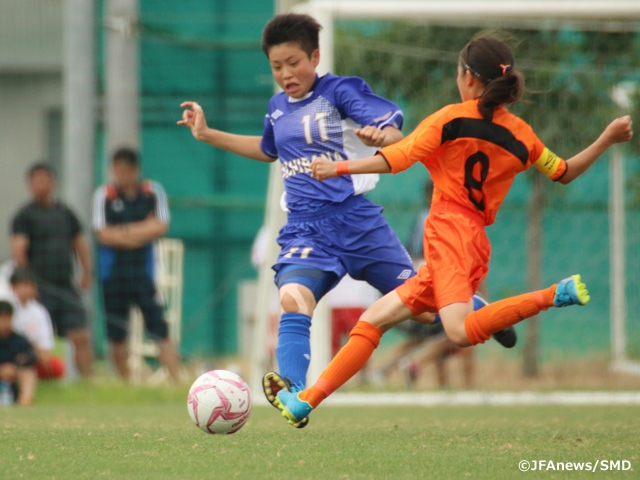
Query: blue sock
(294, 348)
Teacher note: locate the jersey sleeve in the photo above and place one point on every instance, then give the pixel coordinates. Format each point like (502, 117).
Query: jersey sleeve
(99, 220)
(356, 100)
(546, 161)
(20, 224)
(268, 141)
(417, 146)
(162, 206)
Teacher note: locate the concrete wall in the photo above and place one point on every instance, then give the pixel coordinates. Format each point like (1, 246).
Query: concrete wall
(26, 102)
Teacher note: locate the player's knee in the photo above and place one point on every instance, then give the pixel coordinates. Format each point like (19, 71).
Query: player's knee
(296, 299)
(79, 337)
(458, 336)
(8, 372)
(288, 303)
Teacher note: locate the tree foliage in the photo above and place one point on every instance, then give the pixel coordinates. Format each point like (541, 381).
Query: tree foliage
(569, 73)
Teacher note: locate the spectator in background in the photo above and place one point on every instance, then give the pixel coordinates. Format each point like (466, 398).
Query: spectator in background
(427, 344)
(46, 235)
(32, 320)
(17, 360)
(129, 216)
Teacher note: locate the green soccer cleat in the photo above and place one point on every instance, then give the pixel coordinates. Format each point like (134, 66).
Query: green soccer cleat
(272, 385)
(571, 291)
(293, 409)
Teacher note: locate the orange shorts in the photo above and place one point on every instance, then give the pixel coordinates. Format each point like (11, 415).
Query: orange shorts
(457, 252)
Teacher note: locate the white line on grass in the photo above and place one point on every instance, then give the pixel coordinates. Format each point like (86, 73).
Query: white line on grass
(431, 399)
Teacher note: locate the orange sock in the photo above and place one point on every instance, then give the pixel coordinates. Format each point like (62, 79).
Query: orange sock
(364, 339)
(483, 323)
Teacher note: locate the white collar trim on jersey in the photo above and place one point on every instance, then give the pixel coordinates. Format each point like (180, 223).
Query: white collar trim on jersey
(296, 100)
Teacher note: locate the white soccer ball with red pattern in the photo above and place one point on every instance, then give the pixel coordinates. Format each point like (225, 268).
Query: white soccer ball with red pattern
(219, 401)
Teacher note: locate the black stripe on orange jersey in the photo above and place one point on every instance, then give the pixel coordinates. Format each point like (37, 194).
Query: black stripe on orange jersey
(487, 131)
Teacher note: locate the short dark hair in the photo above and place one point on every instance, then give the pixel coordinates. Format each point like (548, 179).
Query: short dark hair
(292, 28)
(6, 308)
(22, 275)
(126, 154)
(41, 166)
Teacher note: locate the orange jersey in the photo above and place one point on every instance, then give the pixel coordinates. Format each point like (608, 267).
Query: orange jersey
(473, 162)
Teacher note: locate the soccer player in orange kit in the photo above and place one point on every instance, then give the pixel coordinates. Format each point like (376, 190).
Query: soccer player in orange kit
(473, 151)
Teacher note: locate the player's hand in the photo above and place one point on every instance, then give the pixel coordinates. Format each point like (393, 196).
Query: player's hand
(323, 169)
(619, 130)
(193, 117)
(371, 136)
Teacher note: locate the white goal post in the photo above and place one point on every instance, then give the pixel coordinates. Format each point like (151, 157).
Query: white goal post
(466, 12)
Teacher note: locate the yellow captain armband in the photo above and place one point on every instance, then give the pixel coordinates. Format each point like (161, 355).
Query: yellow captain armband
(550, 164)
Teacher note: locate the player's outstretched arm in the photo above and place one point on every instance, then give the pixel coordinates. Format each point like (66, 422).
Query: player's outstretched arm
(323, 169)
(374, 137)
(244, 145)
(617, 131)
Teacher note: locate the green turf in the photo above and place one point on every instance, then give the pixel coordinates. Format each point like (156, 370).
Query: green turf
(158, 441)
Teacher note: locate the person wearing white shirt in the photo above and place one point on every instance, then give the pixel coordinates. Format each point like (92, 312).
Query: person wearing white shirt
(31, 320)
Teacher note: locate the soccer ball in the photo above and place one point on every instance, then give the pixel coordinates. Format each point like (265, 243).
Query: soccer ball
(219, 401)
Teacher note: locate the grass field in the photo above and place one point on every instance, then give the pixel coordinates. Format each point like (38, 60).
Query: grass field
(92, 437)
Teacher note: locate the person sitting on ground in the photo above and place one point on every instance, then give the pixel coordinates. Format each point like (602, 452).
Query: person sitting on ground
(17, 359)
(31, 320)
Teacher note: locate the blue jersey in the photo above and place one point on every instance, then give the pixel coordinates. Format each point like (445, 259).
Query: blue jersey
(111, 207)
(322, 125)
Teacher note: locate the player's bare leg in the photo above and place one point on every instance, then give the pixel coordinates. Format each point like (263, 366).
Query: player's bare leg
(468, 366)
(169, 357)
(27, 381)
(81, 341)
(120, 355)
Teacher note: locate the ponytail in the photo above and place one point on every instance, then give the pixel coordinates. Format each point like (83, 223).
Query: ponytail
(491, 61)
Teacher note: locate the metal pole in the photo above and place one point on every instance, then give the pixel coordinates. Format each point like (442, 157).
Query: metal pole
(617, 259)
(122, 102)
(79, 107)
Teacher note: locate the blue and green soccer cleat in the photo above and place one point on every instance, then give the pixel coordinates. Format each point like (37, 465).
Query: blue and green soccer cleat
(571, 291)
(293, 409)
(272, 385)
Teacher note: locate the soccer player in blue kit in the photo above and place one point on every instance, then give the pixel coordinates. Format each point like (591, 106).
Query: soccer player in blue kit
(332, 229)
